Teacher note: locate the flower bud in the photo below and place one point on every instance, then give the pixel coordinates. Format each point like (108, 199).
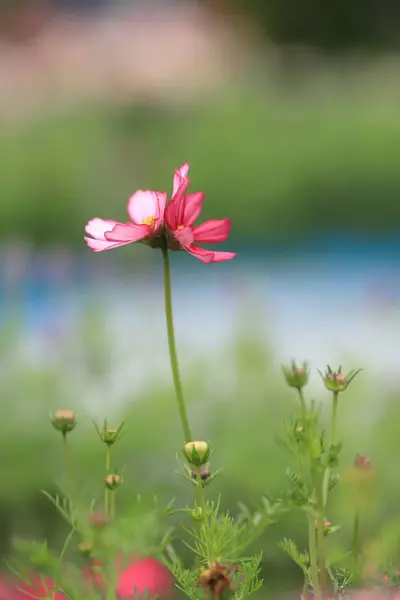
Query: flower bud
(64, 420)
(107, 434)
(296, 377)
(363, 463)
(85, 548)
(204, 474)
(197, 453)
(197, 513)
(98, 520)
(337, 381)
(327, 526)
(112, 481)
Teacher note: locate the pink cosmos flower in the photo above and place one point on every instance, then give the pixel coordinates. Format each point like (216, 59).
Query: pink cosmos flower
(180, 216)
(146, 210)
(148, 574)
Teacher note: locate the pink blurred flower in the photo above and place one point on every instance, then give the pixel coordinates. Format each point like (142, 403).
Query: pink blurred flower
(149, 574)
(139, 573)
(41, 587)
(146, 210)
(180, 216)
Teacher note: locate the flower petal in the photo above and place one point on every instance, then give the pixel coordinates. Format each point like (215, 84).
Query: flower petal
(128, 232)
(100, 245)
(97, 227)
(143, 205)
(161, 200)
(174, 211)
(206, 256)
(212, 231)
(179, 175)
(220, 256)
(193, 207)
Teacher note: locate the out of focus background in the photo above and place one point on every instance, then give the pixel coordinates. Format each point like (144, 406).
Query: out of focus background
(288, 113)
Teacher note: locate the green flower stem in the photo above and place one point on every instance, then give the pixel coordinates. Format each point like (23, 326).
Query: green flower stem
(112, 504)
(302, 402)
(68, 461)
(321, 542)
(356, 537)
(172, 349)
(107, 491)
(333, 418)
(331, 442)
(313, 558)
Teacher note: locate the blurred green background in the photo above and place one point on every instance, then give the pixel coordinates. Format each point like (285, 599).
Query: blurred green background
(298, 140)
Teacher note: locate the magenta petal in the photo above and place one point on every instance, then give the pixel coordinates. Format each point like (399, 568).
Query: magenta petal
(176, 206)
(193, 207)
(205, 256)
(220, 256)
(179, 175)
(212, 231)
(128, 232)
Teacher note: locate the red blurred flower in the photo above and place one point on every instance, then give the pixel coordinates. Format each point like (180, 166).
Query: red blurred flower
(180, 216)
(41, 587)
(139, 573)
(149, 574)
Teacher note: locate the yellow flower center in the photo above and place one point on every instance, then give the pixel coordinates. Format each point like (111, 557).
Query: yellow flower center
(150, 221)
(180, 227)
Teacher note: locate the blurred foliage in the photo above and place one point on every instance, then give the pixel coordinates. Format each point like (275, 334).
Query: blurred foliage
(280, 163)
(331, 24)
(242, 413)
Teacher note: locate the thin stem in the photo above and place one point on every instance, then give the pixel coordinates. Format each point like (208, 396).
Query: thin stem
(112, 504)
(108, 467)
(333, 418)
(331, 442)
(321, 555)
(68, 461)
(172, 349)
(356, 536)
(304, 592)
(313, 558)
(302, 402)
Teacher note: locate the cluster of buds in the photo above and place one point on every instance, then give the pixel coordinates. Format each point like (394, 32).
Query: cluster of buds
(217, 580)
(64, 420)
(113, 481)
(204, 473)
(197, 453)
(295, 376)
(108, 435)
(336, 381)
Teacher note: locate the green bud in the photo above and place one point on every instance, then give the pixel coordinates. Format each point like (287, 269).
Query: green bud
(112, 481)
(197, 513)
(295, 376)
(197, 453)
(108, 435)
(64, 420)
(337, 381)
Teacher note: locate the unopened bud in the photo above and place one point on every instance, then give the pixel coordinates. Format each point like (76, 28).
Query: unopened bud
(204, 473)
(296, 377)
(64, 420)
(197, 453)
(197, 513)
(98, 520)
(363, 462)
(85, 548)
(113, 481)
(327, 526)
(337, 381)
(108, 435)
